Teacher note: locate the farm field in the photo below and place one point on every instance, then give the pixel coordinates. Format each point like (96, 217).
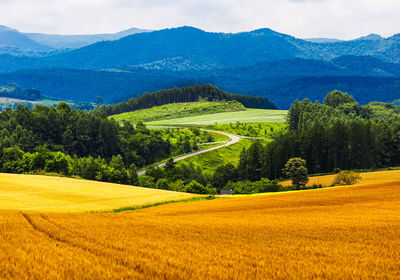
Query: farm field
(378, 177)
(179, 110)
(250, 115)
(208, 162)
(55, 194)
(335, 233)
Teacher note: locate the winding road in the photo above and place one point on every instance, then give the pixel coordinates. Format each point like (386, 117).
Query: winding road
(234, 139)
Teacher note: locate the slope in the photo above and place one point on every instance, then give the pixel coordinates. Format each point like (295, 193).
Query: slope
(195, 49)
(179, 110)
(13, 38)
(78, 41)
(368, 78)
(56, 194)
(250, 115)
(337, 233)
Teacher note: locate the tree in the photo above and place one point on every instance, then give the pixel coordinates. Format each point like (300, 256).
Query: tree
(346, 178)
(223, 174)
(296, 169)
(336, 98)
(133, 174)
(169, 164)
(195, 187)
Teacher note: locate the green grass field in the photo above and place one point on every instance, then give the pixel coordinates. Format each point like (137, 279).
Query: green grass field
(256, 130)
(250, 115)
(179, 110)
(211, 160)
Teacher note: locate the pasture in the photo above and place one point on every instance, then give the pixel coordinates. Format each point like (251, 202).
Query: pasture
(250, 115)
(178, 110)
(335, 233)
(55, 194)
(208, 162)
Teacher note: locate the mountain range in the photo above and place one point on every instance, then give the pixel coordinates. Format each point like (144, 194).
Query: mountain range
(14, 42)
(261, 62)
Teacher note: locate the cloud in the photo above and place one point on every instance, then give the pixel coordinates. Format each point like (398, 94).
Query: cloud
(344, 19)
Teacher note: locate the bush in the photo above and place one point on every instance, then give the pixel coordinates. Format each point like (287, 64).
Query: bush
(195, 187)
(162, 184)
(248, 187)
(346, 178)
(146, 181)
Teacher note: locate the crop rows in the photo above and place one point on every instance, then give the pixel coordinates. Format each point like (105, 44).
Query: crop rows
(336, 233)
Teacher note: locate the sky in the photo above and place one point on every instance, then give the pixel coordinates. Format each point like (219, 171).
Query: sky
(342, 19)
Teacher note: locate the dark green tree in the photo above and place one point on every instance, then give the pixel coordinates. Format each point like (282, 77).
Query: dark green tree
(296, 170)
(336, 98)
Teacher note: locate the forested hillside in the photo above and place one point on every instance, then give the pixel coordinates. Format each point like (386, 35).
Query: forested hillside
(186, 94)
(367, 78)
(274, 65)
(211, 50)
(338, 134)
(14, 91)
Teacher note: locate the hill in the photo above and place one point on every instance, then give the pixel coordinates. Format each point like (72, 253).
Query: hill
(13, 38)
(343, 232)
(56, 194)
(14, 91)
(273, 65)
(18, 43)
(185, 94)
(367, 78)
(78, 41)
(198, 49)
(367, 178)
(179, 110)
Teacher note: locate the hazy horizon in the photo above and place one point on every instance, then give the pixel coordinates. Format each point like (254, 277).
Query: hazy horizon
(150, 30)
(337, 19)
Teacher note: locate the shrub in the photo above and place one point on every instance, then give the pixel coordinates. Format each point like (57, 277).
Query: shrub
(346, 178)
(162, 184)
(195, 187)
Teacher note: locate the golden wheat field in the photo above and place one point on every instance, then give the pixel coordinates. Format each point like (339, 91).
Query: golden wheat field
(350, 232)
(366, 178)
(55, 194)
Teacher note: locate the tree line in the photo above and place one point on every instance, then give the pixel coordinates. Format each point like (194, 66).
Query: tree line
(186, 94)
(14, 91)
(82, 133)
(338, 134)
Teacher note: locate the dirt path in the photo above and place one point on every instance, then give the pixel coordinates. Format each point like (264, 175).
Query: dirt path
(234, 139)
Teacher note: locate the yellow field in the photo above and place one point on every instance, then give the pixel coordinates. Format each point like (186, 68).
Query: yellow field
(366, 178)
(335, 233)
(55, 194)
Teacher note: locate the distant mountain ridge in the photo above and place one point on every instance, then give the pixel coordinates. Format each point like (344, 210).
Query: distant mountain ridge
(255, 62)
(280, 81)
(35, 43)
(191, 48)
(79, 41)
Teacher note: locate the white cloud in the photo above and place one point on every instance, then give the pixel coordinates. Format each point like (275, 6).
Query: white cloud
(303, 18)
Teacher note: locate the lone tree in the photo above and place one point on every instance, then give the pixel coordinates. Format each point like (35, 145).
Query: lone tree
(296, 169)
(346, 178)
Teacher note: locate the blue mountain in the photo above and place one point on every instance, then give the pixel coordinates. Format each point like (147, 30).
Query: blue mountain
(255, 62)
